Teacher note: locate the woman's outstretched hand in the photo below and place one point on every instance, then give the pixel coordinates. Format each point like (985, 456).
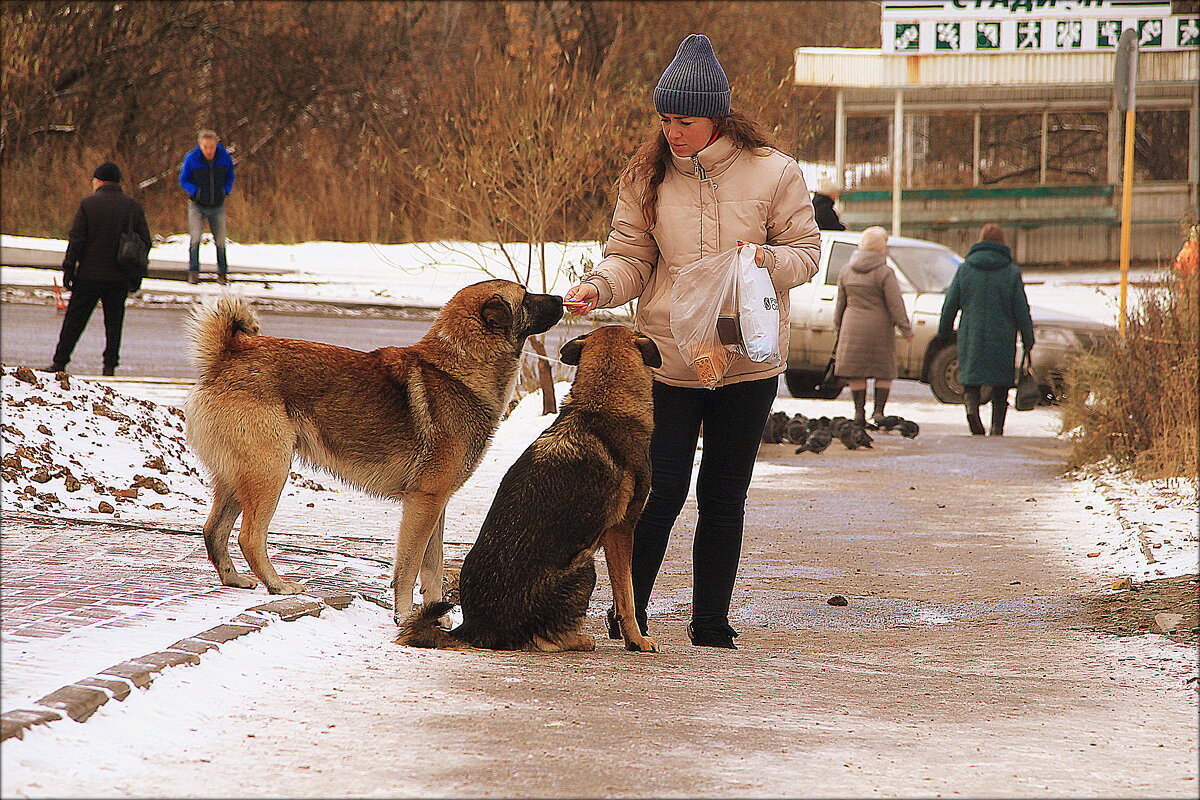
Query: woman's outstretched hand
(581, 299)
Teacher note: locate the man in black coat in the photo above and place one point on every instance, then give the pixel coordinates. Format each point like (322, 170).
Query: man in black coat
(823, 199)
(90, 269)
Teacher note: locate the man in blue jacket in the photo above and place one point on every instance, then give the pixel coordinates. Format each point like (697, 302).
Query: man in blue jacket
(207, 177)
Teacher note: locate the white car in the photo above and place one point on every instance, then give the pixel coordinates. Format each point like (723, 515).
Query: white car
(924, 270)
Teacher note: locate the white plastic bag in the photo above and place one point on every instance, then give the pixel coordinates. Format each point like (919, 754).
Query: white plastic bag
(758, 310)
(722, 306)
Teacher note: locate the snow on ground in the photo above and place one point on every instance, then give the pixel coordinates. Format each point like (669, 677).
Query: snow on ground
(421, 274)
(1144, 519)
(82, 450)
(97, 759)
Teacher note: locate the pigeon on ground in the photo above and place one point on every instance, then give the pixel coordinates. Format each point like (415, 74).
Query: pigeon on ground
(862, 438)
(840, 425)
(797, 429)
(909, 429)
(889, 422)
(775, 427)
(817, 441)
(848, 437)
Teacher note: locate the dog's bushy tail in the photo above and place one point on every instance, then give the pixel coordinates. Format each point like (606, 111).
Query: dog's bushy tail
(214, 324)
(422, 629)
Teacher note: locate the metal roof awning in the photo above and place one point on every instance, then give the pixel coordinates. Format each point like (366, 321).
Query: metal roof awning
(872, 69)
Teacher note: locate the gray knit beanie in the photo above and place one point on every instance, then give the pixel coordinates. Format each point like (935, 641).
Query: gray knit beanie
(693, 85)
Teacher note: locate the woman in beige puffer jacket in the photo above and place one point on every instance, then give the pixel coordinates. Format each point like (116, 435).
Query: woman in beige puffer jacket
(708, 181)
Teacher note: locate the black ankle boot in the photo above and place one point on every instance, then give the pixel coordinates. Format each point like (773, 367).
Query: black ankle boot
(709, 634)
(614, 623)
(881, 398)
(999, 412)
(971, 401)
(860, 405)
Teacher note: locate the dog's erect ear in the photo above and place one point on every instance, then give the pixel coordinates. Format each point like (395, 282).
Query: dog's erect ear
(650, 355)
(570, 352)
(497, 314)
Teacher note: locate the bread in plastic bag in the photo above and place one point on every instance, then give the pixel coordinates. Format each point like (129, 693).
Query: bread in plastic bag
(721, 307)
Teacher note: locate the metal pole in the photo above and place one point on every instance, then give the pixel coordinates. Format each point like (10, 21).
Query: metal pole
(897, 160)
(1126, 213)
(1045, 143)
(1194, 148)
(839, 138)
(1114, 144)
(1125, 83)
(975, 150)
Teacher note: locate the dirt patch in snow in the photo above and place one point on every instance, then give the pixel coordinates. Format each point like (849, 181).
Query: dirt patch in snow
(1170, 606)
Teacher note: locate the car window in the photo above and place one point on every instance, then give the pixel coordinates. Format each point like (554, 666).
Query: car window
(928, 269)
(839, 254)
(901, 278)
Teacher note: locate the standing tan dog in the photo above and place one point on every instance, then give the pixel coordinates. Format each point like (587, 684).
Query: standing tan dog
(410, 423)
(527, 581)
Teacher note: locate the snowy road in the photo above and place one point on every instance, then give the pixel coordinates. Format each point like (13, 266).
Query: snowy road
(960, 666)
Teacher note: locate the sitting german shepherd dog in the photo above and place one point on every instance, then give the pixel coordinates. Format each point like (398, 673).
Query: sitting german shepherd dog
(527, 581)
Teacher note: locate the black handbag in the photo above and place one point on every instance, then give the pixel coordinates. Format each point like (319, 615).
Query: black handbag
(1029, 392)
(829, 379)
(133, 255)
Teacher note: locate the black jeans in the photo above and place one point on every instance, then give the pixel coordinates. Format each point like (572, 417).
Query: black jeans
(733, 417)
(84, 296)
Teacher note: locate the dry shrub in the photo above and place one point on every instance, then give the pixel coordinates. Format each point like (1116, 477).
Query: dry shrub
(1137, 402)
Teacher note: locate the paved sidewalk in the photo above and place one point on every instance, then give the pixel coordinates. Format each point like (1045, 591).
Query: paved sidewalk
(90, 610)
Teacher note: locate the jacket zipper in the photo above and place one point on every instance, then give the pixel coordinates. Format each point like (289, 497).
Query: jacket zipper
(701, 176)
(212, 179)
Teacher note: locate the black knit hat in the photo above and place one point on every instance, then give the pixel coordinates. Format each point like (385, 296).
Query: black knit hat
(693, 85)
(108, 171)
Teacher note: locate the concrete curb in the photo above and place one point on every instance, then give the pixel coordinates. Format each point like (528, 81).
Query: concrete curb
(81, 699)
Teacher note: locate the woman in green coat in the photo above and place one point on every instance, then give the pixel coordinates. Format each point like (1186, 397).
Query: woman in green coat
(988, 290)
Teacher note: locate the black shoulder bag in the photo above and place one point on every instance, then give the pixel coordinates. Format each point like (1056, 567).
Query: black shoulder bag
(133, 255)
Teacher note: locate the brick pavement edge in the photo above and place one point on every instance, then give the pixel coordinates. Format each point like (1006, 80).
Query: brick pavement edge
(83, 698)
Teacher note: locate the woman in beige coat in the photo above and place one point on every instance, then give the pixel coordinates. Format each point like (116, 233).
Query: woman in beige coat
(869, 308)
(708, 180)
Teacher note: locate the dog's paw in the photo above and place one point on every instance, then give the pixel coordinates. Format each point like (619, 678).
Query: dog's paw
(403, 612)
(642, 645)
(286, 587)
(239, 581)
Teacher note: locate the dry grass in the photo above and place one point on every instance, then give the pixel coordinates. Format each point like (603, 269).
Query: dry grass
(1138, 403)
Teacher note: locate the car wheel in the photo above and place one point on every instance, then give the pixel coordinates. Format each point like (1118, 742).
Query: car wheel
(943, 376)
(804, 384)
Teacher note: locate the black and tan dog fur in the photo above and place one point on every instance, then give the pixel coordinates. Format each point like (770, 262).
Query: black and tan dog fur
(526, 582)
(409, 423)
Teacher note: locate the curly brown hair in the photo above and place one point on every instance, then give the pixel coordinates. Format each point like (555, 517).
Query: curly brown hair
(648, 166)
